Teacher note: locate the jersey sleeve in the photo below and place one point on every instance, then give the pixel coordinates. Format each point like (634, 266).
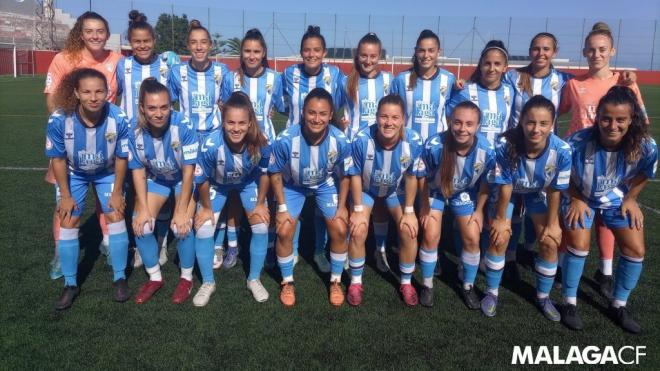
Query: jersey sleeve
(457, 96)
(417, 167)
(649, 162)
(563, 172)
(227, 86)
(190, 145)
(566, 102)
(265, 158)
(122, 149)
(133, 159)
(56, 72)
(119, 76)
(502, 166)
(206, 160)
(345, 159)
(338, 94)
(431, 156)
(278, 94)
(55, 136)
(397, 87)
(357, 152)
(279, 157)
(174, 83)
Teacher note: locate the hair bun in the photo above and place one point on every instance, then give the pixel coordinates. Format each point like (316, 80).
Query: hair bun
(135, 16)
(313, 30)
(602, 27)
(195, 24)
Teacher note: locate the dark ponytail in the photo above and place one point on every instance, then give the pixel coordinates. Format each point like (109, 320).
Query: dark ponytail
(138, 21)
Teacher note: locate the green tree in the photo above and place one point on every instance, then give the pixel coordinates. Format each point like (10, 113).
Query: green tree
(232, 46)
(218, 43)
(172, 33)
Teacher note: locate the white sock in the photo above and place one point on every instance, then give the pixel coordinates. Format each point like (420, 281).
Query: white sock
(154, 273)
(618, 303)
(187, 274)
(219, 247)
(106, 240)
(405, 281)
(428, 282)
(356, 279)
(570, 300)
(606, 267)
(494, 291)
(335, 277)
(541, 295)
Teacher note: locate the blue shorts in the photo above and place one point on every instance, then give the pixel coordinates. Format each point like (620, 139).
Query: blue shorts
(394, 199)
(248, 193)
(163, 189)
(326, 195)
(535, 203)
(78, 186)
(612, 218)
(461, 204)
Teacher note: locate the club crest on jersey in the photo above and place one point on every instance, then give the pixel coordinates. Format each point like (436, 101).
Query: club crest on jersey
(549, 171)
(478, 167)
(254, 159)
(127, 70)
(555, 85)
(507, 97)
(332, 156)
(217, 76)
(164, 70)
(269, 88)
(386, 88)
(443, 89)
(110, 136)
(326, 79)
(175, 145)
(405, 161)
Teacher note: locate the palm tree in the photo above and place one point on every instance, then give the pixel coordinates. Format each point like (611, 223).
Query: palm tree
(232, 46)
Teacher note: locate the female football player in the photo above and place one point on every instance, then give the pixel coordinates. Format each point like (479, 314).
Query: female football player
(233, 160)
(383, 155)
(87, 140)
(612, 162)
(311, 158)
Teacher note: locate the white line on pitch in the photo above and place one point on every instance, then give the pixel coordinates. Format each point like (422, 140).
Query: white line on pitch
(19, 168)
(656, 211)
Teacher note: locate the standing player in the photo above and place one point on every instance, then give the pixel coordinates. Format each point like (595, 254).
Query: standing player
(196, 84)
(234, 159)
(131, 71)
(363, 89)
(425, 88)
(162, 159)
(581, 96)
(264, 87)
(457, 163)
(87, 140)
(612, 162)
(535, 164)
(299, 80)
(84, 48)
(382, 155)
(311, 158)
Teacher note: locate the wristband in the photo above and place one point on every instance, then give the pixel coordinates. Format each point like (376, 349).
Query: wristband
(358, 208)
(408, 210)
(281, 208)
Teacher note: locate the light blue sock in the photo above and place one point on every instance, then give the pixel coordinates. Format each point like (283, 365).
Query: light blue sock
(545, 275)
(258, 247)
(571, 271)
(337, 263)
(407, 270)
(627, 275)
(148, 247)
(186, 250)
(286, 267)
(320, 235)
(428, 258)
(380, 235)
(530, 233)
(232, 236)
(204, 252)
(69, 250)
(357, 268)
(494, 269)
(470, 266)
(118, 248)
(296, 237)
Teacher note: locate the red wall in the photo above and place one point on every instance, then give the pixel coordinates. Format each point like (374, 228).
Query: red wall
(43, 58)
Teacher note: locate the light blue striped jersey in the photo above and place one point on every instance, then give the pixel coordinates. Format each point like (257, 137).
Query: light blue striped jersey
(601, 176)
(469, 169)
(198, 93)
(381, 169)
(361, 112)
(532, 175)
(88, 150)
(131, 73)
(549, 86)
(265, 92)
(308, 166)
(163, 157)
(425, 105)
(495, 106)
(222, 167)
(296, 84)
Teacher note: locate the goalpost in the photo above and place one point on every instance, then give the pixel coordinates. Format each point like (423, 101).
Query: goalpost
(8, 59)
(15, 60)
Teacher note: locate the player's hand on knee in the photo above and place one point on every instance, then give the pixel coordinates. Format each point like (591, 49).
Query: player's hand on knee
(577, 211)
(142, 222)
(181, 223)
(202, 216)
(117, 203)
(65, 208)
(630, 208)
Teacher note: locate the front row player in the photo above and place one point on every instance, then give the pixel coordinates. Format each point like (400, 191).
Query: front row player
(535, 165)
(311, 159)
(382, 154)
(233, 160)
(162, 160)
(612, 162)
(456, 163)
(87, 139)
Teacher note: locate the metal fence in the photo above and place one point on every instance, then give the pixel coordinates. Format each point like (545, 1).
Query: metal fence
(637, 41)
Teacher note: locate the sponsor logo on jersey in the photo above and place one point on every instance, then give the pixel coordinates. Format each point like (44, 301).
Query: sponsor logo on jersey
(384, 179)
(190, 152)
(295, 154)
(124, 145)
(605, 183)
(164, 168)
(90, 160)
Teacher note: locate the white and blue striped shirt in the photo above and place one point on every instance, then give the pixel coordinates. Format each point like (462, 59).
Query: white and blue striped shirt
(131, 73)
(549, 86)
(361, 112)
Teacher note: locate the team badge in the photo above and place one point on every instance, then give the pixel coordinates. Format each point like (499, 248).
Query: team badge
(405, 161)
(49, 144)
(271, 160)
(326, 79)
(110, 136)
(507, 98)
(332, 156)
(465, 197)
(549, 170)
(443, 89)
(478, 167)
(175, 145)
(254, 159)
(555, 85)
(163, 71)
(127, 70)
(217, 76)
(269, 88)
(386, 87)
